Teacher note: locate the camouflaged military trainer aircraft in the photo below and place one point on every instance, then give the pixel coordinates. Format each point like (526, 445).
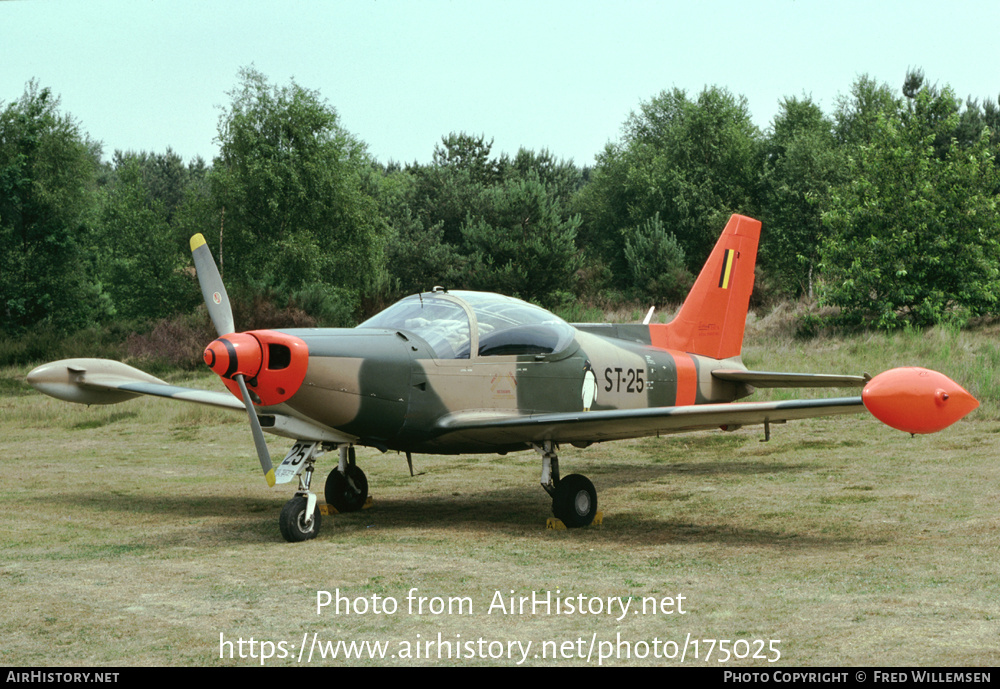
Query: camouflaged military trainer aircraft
(449, 372)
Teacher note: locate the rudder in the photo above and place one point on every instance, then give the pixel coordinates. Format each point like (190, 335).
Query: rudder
(712, 319)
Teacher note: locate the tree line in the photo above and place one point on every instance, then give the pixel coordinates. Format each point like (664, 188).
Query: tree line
(885, 208)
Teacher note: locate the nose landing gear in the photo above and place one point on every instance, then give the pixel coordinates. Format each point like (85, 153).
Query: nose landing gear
(300, 520)
(346, 490)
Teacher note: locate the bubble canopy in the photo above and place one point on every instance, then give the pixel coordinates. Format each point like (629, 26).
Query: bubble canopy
(454, 324)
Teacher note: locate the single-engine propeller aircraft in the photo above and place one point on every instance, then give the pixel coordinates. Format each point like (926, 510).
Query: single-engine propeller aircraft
(450, 372)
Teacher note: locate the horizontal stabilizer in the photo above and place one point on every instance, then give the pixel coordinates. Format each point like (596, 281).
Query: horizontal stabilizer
(771, 379)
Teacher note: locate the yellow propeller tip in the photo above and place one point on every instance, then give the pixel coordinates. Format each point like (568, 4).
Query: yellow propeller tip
(269, 475)
(196, 241)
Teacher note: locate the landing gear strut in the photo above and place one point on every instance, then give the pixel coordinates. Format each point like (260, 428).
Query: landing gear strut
(574, 500)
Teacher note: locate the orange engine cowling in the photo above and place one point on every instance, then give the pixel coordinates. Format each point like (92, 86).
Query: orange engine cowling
(274, 364)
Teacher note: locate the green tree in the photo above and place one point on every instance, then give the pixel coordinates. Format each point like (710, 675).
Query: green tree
(470, 219)
(300, 200)
(521, 242)
(802, 162)
(48, 183)
(197, 210)
(657, 262)
(692, 161)
(163, 175)
(856, 118)
(418, 256)
(446, 190)
(561, 178)
(469, 153)
(141, 263)
(913, 236)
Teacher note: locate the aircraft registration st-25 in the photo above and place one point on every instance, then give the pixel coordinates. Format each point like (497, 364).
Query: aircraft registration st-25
(470, 372)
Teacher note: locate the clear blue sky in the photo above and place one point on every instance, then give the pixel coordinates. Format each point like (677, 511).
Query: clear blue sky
(562, 75)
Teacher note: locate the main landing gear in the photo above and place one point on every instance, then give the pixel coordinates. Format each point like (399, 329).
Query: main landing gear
(347, 485)
(574, 500)
(346, 490)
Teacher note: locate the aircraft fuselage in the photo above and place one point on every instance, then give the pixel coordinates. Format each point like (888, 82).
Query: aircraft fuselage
(388, 388)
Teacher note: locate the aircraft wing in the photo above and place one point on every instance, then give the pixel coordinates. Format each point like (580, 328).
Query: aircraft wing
(102, 381)
(597, 426)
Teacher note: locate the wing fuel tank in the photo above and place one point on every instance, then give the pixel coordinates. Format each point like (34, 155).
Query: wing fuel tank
(917, 400)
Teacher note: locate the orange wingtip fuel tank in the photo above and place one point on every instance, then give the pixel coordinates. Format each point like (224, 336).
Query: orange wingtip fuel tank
(274, 364)
(917, 400)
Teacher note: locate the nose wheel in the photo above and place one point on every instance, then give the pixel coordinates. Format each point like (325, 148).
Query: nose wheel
(298, 522)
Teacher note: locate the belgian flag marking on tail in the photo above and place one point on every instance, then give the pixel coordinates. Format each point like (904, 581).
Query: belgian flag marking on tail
(727, 268)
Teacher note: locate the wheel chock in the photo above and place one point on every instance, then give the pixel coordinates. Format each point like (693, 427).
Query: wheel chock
(327, 510)
(556, 524)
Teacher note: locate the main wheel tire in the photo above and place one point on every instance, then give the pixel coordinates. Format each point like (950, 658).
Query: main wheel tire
(293, 524)
(575, 501)
(347, 493)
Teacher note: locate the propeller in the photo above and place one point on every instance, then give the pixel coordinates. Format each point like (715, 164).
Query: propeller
(212, 289)
(221, 313)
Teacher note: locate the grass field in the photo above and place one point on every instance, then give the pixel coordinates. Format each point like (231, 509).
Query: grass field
(143, 534)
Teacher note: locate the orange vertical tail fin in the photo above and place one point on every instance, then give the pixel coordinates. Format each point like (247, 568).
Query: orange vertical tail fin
(712, 318)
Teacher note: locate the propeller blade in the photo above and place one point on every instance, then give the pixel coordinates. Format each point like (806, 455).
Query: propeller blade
(219, 309)
(258, 435)
(212, 289)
